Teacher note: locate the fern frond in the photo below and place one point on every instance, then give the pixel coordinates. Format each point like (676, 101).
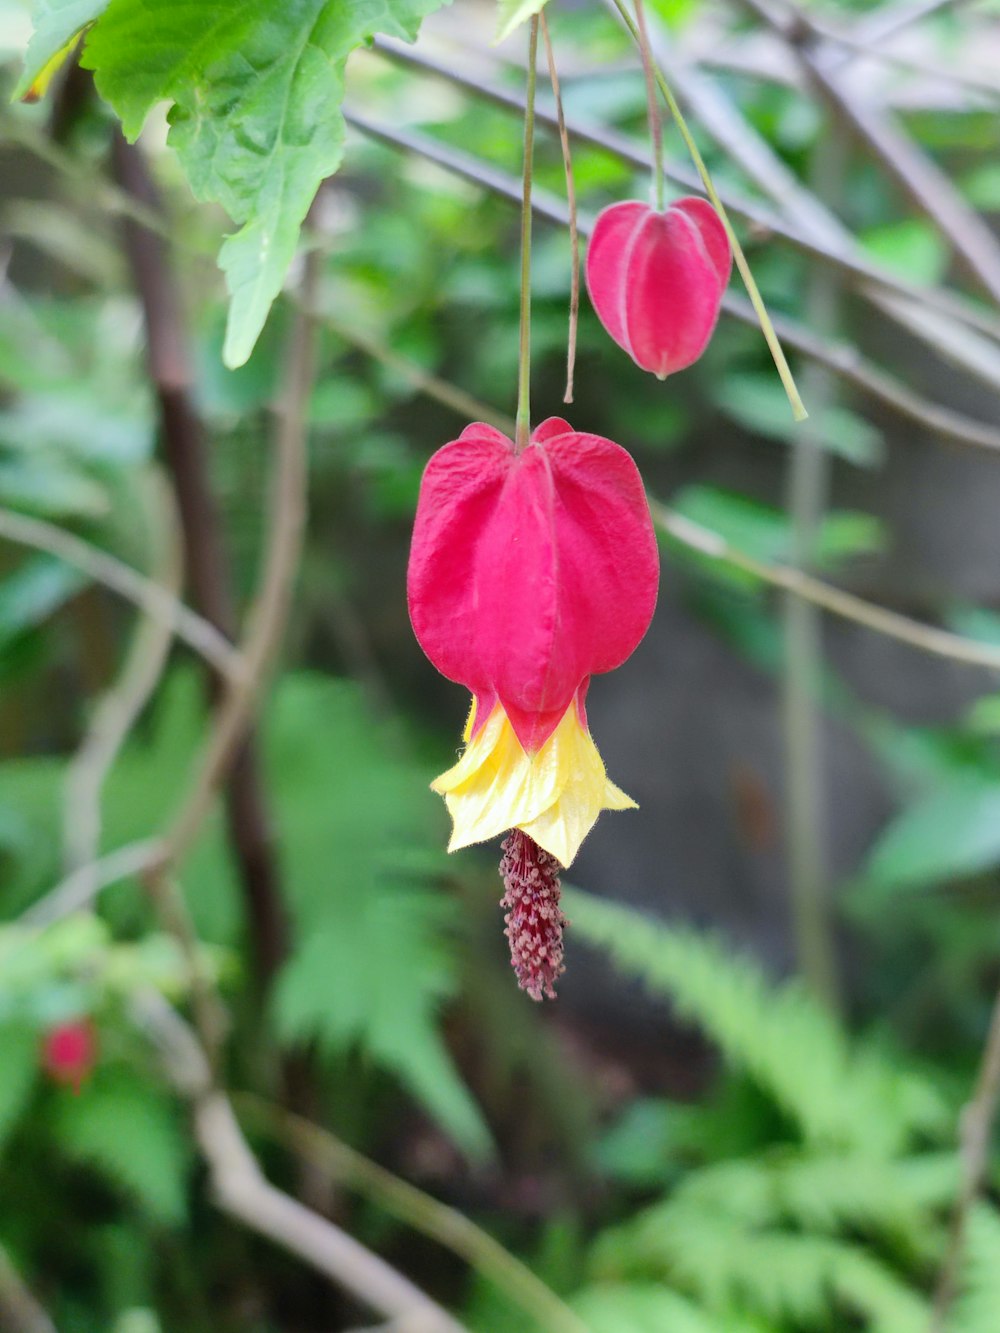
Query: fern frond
(775, 1273)
(851, 1097)
(978, 1307)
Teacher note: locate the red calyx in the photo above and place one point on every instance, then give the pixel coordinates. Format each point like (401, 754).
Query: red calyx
(529, 572)
(656, 279)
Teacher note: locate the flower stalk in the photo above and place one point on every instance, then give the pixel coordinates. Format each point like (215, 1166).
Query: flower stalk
(523, 429)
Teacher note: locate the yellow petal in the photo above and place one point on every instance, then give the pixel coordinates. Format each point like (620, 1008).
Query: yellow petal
(555, 796)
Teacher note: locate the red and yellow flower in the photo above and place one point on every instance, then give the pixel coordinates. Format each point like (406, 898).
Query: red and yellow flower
(530, 572)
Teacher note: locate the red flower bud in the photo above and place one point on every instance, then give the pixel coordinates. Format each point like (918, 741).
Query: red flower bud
(656, 279)
(69, 1052)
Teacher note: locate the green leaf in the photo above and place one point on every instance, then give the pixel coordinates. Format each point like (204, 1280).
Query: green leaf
(18, 1070)
(757, 402)
(129, 1132)
(56, 22)
(376, 959)
(256, 121)
(640, 1307)
(913, 248)
(979, 1297)
(512, 13)
(952, 832)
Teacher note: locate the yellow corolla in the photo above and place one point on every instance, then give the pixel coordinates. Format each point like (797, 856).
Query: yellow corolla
(554, 796)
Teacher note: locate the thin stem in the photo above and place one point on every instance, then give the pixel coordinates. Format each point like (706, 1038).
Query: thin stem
(524, 343)
(975, 1129)
(756, 300)
(655, 123)
(574, 231)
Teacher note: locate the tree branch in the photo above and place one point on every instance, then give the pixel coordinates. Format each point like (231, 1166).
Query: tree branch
(186, 456)
(242, 1191)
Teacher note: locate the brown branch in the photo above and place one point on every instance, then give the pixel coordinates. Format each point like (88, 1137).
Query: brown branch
(269, 613)
(186, 455)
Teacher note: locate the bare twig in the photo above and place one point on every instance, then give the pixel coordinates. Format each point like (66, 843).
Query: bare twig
(927, 638)
(844, 360)
(115, 713)
(899, 156)
(113, 573)
(808, 472)
(81, 887)
(975, 1131)
(242, 1191)
(418, 1210)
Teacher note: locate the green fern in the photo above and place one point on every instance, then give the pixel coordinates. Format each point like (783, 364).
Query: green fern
(844, 1096)
(778, 1274)
(644, 1307)
(894, 1201)
(358, 832)
(978, 1307)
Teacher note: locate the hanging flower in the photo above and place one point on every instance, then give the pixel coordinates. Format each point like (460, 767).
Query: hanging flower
(656, 279)
(530, 572)
(69, 1051)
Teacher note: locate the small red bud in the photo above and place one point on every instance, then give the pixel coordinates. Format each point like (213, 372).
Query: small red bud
(69, 1051)
(656, 279)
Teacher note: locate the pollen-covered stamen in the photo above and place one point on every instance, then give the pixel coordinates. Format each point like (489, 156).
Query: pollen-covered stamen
(534, 920)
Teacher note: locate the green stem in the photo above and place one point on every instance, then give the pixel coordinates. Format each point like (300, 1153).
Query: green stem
(756, 300)
(574, 231)
(523, 429)
(655, 123)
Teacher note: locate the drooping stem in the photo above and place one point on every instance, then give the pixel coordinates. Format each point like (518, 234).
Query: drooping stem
(574, 231)
(655, 123)
(524, 345)
(739, 258)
